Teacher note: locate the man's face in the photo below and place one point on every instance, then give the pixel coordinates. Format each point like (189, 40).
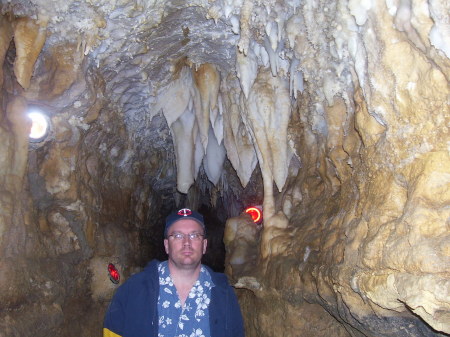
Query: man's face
(185, 253)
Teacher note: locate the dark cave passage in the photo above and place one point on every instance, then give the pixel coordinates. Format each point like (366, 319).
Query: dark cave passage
(331, 117)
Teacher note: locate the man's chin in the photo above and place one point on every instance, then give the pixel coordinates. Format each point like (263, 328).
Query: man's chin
(188, 261)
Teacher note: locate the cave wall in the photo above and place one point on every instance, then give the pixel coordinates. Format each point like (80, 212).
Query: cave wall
(340, 131)
(69, 205)
(368, 225)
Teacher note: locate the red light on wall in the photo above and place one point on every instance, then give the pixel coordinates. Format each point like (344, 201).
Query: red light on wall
(114, 275)
(255, 213)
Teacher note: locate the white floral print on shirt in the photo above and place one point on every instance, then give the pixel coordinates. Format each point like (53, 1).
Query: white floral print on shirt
(190, 320)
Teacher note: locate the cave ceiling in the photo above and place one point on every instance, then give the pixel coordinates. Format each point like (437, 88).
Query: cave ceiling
(113, 58)
(131, 75)
(332, 115)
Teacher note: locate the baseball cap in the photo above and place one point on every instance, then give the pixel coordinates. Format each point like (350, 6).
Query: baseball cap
(181, 214)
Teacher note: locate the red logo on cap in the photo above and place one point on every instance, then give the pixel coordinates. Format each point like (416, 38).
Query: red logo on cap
(184, 212)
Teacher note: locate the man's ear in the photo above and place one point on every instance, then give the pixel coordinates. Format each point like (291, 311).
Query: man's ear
(205, 244)
(166, 246)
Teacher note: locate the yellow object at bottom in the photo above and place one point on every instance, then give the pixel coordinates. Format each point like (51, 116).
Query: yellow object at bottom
(109, 333)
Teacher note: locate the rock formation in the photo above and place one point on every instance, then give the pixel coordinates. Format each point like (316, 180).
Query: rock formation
(332, 115)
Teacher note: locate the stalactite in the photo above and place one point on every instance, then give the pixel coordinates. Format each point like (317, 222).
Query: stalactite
(29, 38)
(20, 127)
(6, 34)
(207, 80)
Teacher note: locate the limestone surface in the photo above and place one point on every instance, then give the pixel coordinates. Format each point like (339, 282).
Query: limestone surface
(332, 115)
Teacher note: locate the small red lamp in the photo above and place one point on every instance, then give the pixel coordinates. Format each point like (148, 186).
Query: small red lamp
(114, 275)
(256, 214)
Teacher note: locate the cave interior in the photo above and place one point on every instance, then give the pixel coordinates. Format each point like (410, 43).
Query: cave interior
(332, 117)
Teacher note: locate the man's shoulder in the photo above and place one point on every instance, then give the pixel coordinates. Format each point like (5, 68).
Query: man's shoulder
(219, 279)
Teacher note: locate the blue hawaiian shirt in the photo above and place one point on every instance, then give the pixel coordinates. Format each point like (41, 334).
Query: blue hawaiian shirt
(190, 320)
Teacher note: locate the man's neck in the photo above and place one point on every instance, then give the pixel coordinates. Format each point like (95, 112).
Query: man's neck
(187, 275)
(184, 279)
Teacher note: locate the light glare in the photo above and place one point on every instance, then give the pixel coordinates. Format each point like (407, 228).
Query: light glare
(39, 125)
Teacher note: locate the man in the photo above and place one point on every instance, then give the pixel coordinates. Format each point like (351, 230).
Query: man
(179, 297)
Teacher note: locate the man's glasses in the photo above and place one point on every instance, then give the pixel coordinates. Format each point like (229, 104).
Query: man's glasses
(181, 236)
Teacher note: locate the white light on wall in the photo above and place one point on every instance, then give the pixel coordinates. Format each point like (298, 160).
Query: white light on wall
(39, 126)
